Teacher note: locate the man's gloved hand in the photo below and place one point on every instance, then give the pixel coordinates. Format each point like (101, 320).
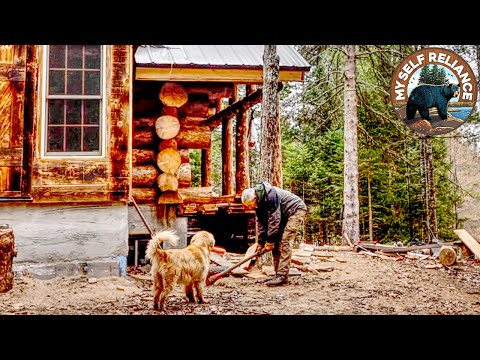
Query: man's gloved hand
(268, 246)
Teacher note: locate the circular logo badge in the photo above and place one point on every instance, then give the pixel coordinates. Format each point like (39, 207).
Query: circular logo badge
(433, 91)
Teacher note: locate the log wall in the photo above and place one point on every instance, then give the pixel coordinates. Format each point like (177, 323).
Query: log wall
(156, 105)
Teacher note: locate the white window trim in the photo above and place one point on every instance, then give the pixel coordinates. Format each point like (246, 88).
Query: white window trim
(103, 112)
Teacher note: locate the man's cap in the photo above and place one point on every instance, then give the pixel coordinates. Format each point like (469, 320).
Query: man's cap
(248, 197)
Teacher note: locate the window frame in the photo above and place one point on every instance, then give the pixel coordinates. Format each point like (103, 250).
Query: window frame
(101, 153)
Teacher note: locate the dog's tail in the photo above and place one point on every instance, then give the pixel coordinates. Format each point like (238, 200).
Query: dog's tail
(154, 245)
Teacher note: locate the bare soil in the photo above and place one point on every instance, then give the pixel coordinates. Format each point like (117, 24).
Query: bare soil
(350, 284)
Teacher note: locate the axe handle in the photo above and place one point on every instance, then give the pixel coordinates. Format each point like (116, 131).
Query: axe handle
(210, 280)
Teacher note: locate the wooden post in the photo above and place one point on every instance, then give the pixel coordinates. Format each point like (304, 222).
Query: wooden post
(7, 253)
(242, 178)
(206, 167)
(227, 150)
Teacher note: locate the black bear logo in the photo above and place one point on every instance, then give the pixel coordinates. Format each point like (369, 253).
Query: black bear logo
(425, 97)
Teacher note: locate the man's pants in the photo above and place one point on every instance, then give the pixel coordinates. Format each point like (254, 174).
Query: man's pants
(282, 253)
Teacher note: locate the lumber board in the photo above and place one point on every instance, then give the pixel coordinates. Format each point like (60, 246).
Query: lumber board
(469, 241)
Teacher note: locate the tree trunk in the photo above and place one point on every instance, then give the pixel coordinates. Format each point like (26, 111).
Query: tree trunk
(447, 255)
(424, 185)
(351, 217)
(370, 210)
(270, 152)
(167, 182)
(432, 202)
(173, 94)
(169, 160)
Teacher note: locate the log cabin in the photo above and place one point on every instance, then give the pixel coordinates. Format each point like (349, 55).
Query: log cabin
(87, 131)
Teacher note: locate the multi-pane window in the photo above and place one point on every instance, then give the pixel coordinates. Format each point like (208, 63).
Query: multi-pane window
(74, 93)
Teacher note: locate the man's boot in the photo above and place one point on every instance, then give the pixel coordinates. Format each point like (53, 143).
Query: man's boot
(277, 280)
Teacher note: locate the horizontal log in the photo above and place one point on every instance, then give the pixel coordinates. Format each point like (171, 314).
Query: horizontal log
(144, 195)
(169, 160)
(200, 108)
(244, 104)
(143, 156)
(170, 197)
(194, 137)
(11, 157)
(165, 144)
(170, 111)
(214, 91)
(167, 127)
(144, 123)
(73, 194)
(144, 138)
(173, 94)
(197, 191)
(144, 175)
(167, 182)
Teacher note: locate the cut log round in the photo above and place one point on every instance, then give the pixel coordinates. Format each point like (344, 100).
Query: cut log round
(167, 182)
(447, 256)
(173, 94)
(144, 175)
(7, 253)
(169, 160)
(184, 175)
(167, 127)
(185, 155)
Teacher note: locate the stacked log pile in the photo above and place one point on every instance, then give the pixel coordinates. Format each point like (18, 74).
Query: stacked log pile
(166, 127)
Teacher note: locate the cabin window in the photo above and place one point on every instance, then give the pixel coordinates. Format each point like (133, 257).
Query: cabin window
(74, 100)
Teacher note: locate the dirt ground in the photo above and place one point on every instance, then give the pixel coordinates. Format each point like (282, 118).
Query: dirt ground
(345, 283)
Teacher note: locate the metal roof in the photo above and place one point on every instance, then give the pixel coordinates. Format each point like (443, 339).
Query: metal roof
(211, 56)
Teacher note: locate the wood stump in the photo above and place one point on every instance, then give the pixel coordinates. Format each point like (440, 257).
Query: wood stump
(7, 253)
(447, 256)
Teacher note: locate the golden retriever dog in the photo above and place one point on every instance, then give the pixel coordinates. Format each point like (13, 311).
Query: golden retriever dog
(188, 266)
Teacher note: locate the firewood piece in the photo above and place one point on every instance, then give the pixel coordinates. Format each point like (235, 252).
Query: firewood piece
(143, 156)
(167, 182)
(7, 253)
(173, 94)
(447, 256)
(169, 160)
(170, 197)
(167, 127)
(144, 175)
